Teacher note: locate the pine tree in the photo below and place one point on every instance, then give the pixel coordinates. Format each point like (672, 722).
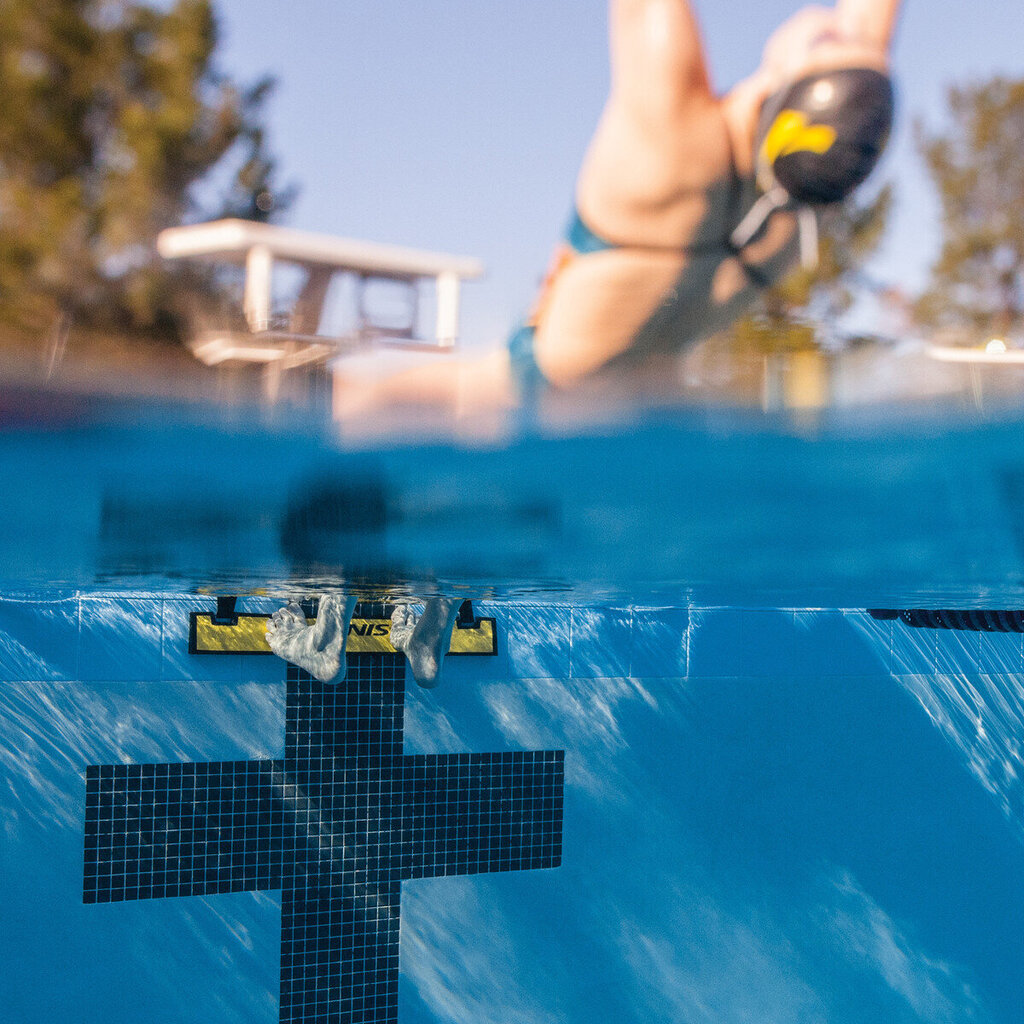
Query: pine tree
(115, 115)
(977, 282)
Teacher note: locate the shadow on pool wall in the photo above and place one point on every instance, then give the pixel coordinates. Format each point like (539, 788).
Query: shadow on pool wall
(769, 814)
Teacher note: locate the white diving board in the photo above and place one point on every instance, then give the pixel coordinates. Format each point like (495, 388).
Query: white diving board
(258, 247)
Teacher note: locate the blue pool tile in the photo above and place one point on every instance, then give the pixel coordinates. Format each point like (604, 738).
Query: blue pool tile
(485, 668)
(829, 643)
(258, 668)
(1000, 653)
(914, 650)
(957, 651)
(741, 642)
(660, 641)
(600, 642)
(876, 634)
(254, 668)
(121, 639)
(177, 663)
(469, 669)
(39, 639)
(539, 639)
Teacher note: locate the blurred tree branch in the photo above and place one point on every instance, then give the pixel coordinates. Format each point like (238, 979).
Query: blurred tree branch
(117, 124)
(976, 163)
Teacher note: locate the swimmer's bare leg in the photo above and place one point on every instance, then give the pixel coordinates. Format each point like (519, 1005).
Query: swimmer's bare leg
(318, 648)
(425, 640)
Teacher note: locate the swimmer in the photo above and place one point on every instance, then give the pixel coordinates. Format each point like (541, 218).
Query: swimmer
(320, 648)
(687, 203)
(686, 206)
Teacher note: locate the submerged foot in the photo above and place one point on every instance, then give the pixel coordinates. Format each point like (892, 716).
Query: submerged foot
(403, 622)
(318, 648)
(424, 639)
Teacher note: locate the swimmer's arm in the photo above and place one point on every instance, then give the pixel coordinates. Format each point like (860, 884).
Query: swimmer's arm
(871, 21)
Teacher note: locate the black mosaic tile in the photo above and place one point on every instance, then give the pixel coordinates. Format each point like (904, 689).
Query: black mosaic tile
(337, 824)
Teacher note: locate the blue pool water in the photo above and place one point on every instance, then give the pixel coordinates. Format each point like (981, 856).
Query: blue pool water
(707, 507)
(777, 807)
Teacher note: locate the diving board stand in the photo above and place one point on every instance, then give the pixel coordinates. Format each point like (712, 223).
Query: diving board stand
(987, 356)
(258, 248)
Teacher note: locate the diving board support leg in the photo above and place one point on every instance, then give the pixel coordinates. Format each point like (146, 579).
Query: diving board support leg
(272, 381)
(259, 267)
(259, 264)
(447, 308)
(309, 306)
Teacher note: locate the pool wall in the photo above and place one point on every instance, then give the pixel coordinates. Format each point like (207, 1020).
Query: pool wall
(787, 814)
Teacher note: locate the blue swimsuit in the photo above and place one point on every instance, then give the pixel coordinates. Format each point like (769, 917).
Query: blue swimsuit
(528, 376)
(580, 240)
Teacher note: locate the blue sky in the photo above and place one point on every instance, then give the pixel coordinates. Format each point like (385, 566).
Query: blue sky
(459, 125)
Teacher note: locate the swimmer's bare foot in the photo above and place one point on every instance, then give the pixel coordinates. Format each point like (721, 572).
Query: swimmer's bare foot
(425, 640)
(318, 648)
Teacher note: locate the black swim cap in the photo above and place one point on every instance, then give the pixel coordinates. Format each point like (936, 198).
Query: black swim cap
(820, 137)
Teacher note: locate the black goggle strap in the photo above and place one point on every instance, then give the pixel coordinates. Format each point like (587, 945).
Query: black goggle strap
(756, 220)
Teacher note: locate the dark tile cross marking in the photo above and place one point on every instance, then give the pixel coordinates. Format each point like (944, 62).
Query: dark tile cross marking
(337, 824)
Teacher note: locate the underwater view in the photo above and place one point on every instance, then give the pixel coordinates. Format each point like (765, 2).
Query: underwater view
(782, 814)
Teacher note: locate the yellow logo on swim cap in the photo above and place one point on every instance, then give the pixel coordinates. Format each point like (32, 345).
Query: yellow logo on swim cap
(790, 133)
